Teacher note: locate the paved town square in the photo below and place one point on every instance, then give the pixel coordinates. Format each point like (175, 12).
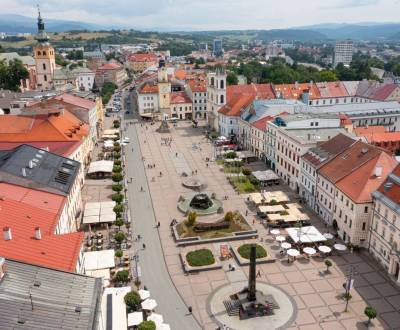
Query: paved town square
(317, 294)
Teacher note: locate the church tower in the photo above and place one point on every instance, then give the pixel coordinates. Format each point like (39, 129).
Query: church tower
(216, 96)
(164, 91)
(44, 57)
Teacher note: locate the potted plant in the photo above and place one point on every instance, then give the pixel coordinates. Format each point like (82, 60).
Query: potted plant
(328, 264)
(132, 300)
(371, 313)
(119, 254)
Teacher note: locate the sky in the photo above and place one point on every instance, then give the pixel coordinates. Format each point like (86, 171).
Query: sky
(209, 14)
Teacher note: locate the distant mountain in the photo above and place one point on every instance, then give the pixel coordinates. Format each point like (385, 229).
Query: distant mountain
(359, 31)
(22, 24)
(291, 34)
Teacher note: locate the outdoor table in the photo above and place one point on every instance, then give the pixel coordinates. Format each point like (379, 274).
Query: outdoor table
(275, 232)
(340, 247)
(328, 236)
(286, 245)
(280, 238)
(309, 250)
(324, 249)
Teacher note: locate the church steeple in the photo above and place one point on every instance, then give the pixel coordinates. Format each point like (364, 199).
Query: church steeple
(41, 36)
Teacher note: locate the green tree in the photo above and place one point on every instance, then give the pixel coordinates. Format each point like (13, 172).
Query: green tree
(119, 222)
(328, 264)
(117, 187)
(229, 216)
(107, 91)
(191, 220)
(328, 75)
(232, 78)
(117, 177)
(118, 209)
(11, 74)
(119, 237)
(147, 325)
(132, 300)
(117, 169)
(122, 276)
(119, 254)
(118, 198)
(371, 313)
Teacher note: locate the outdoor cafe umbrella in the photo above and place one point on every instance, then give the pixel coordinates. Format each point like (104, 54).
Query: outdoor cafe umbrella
(275, 231)
(293, 252)
(163, 326)
(280, 238)
(286, 245)
(309, 250)
(149, 304)
(340, 247)
(144, 294)
(135, 318)
(328, 236)
(324, 249)
(156, 318)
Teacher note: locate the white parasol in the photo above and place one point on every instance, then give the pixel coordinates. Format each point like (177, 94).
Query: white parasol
(144, 294)
(293, 252)
(280, 238)
(135, 318)
(328, 236)
(340, 247)
(149, 304)
(275, 232)
(324, 249)
(163, 326)
(156, 318)
(309, 250)
(286, 245)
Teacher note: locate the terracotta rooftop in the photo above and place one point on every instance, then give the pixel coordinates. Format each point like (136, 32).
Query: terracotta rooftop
(180, 74)
(261, 91)
(393, 191)
(362, 182)
(149, 89)
(198, 86)
(383, 92)
(145, 57)
(110, 66)
(180, 98)
(261, 124)
(76, 100)
(369, 130)
(345, 163)
(59, 148)
(236, 104)
(295, 91)
(332, 89)
(325, 151)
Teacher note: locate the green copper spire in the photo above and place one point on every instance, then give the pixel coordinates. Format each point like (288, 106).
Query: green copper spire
(41, 36)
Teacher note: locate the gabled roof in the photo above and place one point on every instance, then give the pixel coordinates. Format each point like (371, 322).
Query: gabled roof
(180, 98)
(180, 74)
(366, 130)
(390, 188)
(261, 91)
(110, 66)
(358, 154)
(76, 101)
(148, 88)
(383, 93)
(196, 85)
(295, 91)
(236, 105)
(143, 57)
(261, 124)
(325, 151)
(362, 182)
(332, 89)
(64, 149)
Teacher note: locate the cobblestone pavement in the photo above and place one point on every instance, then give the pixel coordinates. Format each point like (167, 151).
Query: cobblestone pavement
(317, 294)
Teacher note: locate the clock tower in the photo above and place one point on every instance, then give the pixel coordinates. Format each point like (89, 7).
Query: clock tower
(164, 91)
(44, 57)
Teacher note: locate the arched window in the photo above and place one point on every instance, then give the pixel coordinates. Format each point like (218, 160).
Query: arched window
(39, 53)
(222, 84)
(44, 53)
(44, 66)
(45, 77)
(212, 81)
(221, 99)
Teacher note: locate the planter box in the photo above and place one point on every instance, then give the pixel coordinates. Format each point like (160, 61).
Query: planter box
(190, 269)
(245, 262)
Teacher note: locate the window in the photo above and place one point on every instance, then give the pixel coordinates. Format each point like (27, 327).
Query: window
(222, 99)
(39, 53)
(44, 53)
(364, 225)
(44, 66)
(45, 77)
(366, 209)
(350, 224)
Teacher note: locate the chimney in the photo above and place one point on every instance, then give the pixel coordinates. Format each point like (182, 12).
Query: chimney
(38, 234)
(7, 234)
(378, 171)
(30, 164)
(2, 267)
(23, 171)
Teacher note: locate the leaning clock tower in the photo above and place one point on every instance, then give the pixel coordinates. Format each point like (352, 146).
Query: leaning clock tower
(44, 57)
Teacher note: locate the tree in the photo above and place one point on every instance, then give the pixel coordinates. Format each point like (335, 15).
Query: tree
(11, 74)
(328, 264)
(119, 254)
(328, 75)
(246, 171)
(371, 313)
(118, 209)
(116, 155)
(147, 325)
(231, 155)
(119, 237)
(191, 220)
(117, 177)
(132, 300)
(118, 198)
(232, 79)
(122, 276)
(119, 222)
(117, 148)
(117, 187)
(117, 169)
(229, 216)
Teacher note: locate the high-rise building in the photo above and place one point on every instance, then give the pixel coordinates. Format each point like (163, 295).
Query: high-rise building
(44, 57)
(343, 52)
(217, 48)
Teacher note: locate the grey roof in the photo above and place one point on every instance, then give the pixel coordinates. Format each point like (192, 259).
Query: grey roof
(312, 136)
(368, 108)
(27, 60)
(35, 168)
(34, 297)
(305, 116)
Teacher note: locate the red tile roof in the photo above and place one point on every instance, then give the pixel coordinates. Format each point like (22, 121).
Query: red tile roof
(179, 98)
(261, 91)
(180, 74)
(393, 193)
(22, 210)
(261, 124)
(383, 93)
(383, 137)
(332, 89)
(64, 149)
(76, 100)
(148, 89)
(295, 91)
(369, 130)
(145, 57)
(362, 182)
(198, 86)
(236, 104)
(110, 66)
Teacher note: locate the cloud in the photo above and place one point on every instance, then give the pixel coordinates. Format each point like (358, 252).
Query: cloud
(209, 14)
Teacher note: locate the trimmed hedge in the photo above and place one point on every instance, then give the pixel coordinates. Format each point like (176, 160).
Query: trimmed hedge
(244, 251)
(202, 257)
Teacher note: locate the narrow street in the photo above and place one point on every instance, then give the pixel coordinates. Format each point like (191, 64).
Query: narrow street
(154, 273)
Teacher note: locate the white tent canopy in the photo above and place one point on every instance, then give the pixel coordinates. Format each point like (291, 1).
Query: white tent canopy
(267, 175)
(156, 318)
(99, 212)
(163, 326)
(117, 310)
(144, 294)
(149, 304)
(105, 166)
(135, 318)
(308, 234)
(99, 259)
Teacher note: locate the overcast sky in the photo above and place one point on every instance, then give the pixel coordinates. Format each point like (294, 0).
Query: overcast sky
(210, 14)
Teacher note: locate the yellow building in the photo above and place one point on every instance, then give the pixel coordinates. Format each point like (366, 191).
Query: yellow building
(45, 59)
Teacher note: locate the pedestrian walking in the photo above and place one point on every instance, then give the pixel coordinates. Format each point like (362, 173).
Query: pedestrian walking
(158, 224)
(258, 273)
(190, 309)
(247, 212)
(141, 189)
(144, 246)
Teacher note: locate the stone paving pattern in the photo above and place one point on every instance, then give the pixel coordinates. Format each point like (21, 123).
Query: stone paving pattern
(317, 294)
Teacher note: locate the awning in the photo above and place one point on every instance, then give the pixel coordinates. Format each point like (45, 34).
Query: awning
(104, 166)
(99, 212)
(135, 318)
(99, 260)
(308, 234)
(265, 176)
